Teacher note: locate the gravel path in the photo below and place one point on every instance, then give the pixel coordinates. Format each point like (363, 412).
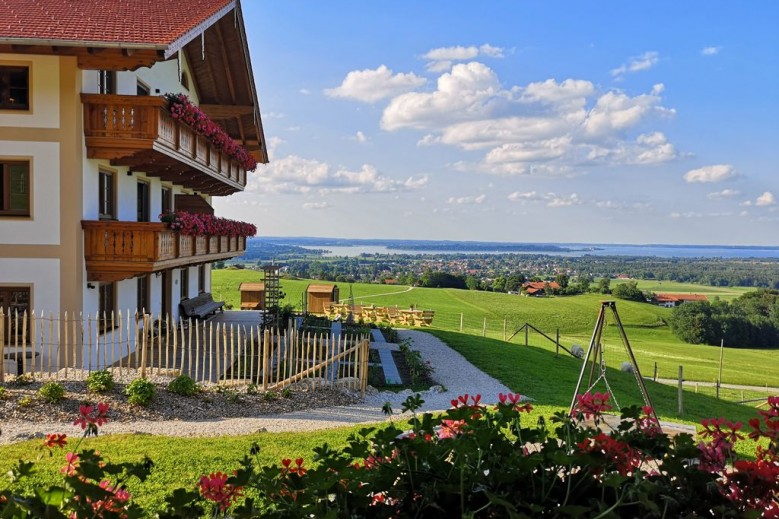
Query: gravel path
(455, 375)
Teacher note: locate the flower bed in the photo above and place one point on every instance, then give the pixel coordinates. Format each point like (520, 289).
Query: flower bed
(182, 109)
(197, 224)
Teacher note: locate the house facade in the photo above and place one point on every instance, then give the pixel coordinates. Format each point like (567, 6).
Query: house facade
(91, 154)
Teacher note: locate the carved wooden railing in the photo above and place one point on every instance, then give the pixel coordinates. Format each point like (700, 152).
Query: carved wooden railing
(117, 127)
(121, 250)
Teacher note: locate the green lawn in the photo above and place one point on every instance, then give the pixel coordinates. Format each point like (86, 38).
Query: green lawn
(673, 287)
(652, 341)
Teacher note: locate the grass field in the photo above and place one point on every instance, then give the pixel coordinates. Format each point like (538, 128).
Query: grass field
(468, 311)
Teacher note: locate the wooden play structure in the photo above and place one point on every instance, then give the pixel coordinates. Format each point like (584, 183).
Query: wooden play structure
(319, 297)
(252, 296)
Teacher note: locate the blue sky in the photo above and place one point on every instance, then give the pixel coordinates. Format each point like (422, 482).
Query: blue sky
(610, 122)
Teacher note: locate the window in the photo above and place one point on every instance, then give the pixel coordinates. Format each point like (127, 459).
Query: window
(107, 197)
(142, 293)
(184, 280)
(167, 200)
(106, 305)
(201, 279)
(142, 89)
(15, 301)
(14, 88)
(106, 82)
(14, 188)
(143, 202)
(184, 80)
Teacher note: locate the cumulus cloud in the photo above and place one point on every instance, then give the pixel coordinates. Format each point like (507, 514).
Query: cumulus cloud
(370, 86)
(724, 194)
(765, 200)
(710, 51)
(636, 64)
(360, 137)
(714, 173)
(616, 112)
(480, 199)
(549, 199)
(316, 205)
(442, 58)
(305, 91)
(293, 174)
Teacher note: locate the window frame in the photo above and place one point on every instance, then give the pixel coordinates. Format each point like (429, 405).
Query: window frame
(11, 108)
(142, 293)
(106, 82)
(166, 199)
(111, 199)
(143, 205)
(201, 279)
(184, 283)
(106, 306)
(5, 188)
(10, 339)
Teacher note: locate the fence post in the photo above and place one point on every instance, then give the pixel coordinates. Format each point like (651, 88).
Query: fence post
(144, 336)
(461, 322)
(654, 377)
(557, 344)
(504, 329)
(2, 345)
(366, 346)
(716, 385)
(484, 328)
(527, 330)
(265, 359)
(681, 390)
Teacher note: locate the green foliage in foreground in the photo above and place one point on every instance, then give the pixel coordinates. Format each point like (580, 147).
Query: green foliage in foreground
(473, 459)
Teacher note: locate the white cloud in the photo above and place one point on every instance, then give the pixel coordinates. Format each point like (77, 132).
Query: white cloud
(637, 63)
(293, 174)
(360, 137)
(765, 200)
(714, 173)
(316, 205)
(442, 58)
(696, 214)
(370, 86)
(710, 51)
(550, 199)
(305, 91)
(616, 112)
(725, 193)
(480, 199)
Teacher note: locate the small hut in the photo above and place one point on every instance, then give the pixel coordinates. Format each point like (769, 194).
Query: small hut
(252, 295)
(319, 297)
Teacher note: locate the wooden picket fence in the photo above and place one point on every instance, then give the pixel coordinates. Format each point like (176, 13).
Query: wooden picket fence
(73, 345)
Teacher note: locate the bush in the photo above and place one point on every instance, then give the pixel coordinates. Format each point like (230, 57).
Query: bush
(2, 393)
(51, 392)
(140, 392)
(100, 381)
(183, 385)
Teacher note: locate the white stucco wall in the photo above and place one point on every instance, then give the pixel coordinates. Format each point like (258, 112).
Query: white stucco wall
(162, 78)
(42, 228)
(44, 92)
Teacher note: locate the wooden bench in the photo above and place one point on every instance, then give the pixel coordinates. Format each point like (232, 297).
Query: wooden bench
(200, 306)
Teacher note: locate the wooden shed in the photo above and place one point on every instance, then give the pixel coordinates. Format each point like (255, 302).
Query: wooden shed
(252, 296)
(319, 297)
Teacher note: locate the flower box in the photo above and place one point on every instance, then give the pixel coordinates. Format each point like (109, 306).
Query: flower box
(201, 245)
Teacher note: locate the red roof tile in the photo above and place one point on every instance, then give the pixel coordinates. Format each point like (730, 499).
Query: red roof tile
(142, 22)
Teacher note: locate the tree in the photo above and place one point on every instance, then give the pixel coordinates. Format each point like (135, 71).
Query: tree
(472, 282)
(604, 285)
(562, 280)
(499, 284)
(629, 291)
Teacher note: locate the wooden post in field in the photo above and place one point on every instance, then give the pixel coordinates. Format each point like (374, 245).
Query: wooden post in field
(527, 330)
(719, 377)
(504, 329)
(716, 389)
(265, 359)
(681, 390)
(461, 322)
(484, 328)
(654, 377)
(557, 344)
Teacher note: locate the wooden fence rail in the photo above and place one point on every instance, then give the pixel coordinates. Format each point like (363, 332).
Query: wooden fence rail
(71, 346)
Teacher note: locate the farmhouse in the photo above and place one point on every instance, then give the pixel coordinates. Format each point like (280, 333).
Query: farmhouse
(539, 288)
(92, 150)
(671, 300)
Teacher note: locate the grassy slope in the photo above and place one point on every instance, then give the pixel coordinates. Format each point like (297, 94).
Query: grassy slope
(575, 317)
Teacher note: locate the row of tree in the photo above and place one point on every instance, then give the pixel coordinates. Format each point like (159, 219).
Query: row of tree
(750, 321)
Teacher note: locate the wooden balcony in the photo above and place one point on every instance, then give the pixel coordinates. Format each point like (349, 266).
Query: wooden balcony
(138, 131)
(121, 250)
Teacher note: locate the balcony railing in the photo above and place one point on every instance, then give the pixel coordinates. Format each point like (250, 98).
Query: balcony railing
(121, 250)
(138, 131)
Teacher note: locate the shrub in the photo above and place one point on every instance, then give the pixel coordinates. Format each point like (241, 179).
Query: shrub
(140, 392)
(51, 392)
(100, 381)
(2, 393)
(24, 379)
(183, 385)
